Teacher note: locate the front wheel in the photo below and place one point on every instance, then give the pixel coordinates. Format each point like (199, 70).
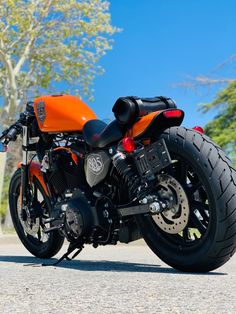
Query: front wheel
(198, 231)
(30, 231)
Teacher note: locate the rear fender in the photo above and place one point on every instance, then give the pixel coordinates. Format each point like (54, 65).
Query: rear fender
(155, 122)
(35, 172)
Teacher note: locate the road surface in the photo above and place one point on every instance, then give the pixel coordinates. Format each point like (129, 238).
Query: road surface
(119, 279)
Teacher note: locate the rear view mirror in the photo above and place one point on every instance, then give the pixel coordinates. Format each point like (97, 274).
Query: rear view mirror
(3, 148)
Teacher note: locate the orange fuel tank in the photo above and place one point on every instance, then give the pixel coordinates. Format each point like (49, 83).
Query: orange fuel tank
(62, 113)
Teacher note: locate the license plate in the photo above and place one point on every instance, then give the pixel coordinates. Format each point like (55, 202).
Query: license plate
(152, 159)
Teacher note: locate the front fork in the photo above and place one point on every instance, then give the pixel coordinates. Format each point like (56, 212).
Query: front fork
(28, 172)
(24, 170)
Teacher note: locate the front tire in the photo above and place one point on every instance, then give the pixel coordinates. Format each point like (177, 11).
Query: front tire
(209, 181)
(31, 235)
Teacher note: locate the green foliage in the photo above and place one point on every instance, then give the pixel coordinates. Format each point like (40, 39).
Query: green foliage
(222, 129)
(47, 41)
(4, 201)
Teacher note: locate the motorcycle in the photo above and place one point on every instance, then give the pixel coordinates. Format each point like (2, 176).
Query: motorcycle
(141, 176)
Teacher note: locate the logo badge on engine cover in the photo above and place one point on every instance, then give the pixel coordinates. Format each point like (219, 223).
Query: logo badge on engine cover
(95, 163)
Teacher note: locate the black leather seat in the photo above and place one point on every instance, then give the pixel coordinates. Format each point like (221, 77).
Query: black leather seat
(98, 134)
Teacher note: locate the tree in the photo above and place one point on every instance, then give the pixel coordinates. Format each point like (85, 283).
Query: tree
(214, 78)
(43, 42)
(222, 128)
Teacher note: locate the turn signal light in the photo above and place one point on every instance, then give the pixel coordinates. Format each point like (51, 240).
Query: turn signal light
(199, 129)
(176, 113)
(128, 144)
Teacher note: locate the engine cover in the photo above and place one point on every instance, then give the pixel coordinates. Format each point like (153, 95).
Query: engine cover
(75, 222)
(96, 167)
(79, 218)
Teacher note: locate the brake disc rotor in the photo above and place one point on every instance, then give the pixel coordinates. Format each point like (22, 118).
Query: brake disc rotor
(175, 219)
(29, 227)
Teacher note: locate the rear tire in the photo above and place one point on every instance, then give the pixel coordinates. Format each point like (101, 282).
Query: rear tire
(217, 178)
(38, 244)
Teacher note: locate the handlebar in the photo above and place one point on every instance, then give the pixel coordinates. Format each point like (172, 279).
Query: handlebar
(11, 133)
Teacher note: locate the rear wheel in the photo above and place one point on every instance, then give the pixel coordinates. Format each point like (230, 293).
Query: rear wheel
(198, 232)
(30, 230)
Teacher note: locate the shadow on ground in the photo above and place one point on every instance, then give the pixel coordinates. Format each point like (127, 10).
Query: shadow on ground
(108, 266)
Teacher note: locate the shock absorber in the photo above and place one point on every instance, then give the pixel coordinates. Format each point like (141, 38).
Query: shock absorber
(130, 176)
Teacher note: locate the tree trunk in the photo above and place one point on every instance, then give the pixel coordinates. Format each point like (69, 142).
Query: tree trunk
(2, 171)
(8, 225)
(13, 157)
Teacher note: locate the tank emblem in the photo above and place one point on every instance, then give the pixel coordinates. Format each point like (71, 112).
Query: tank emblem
(41, 111)
(95, 163)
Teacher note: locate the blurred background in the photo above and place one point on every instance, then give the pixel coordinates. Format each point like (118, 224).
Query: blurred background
(101, 50)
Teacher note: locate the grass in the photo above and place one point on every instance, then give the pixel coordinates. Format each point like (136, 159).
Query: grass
(8, 230)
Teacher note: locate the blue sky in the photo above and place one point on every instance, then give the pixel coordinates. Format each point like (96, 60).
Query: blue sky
(162, 42)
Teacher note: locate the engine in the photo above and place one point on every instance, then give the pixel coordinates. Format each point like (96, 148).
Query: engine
(84, 209)
(78, 220)
(64, 168)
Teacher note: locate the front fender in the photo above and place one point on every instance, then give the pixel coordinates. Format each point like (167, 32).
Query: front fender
(35, 172)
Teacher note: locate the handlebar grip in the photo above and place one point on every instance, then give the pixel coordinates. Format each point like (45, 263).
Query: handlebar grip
(11, 135)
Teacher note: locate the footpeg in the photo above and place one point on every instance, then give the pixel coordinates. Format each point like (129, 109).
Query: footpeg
(48, 230)
(48, 220)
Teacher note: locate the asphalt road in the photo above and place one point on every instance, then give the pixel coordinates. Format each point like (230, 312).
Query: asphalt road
(121, 279)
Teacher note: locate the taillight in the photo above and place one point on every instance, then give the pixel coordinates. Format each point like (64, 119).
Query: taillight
(176, 113)
(128, 144)
(199, 129)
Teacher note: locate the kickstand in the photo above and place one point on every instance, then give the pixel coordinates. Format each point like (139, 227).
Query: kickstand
(72, 247)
